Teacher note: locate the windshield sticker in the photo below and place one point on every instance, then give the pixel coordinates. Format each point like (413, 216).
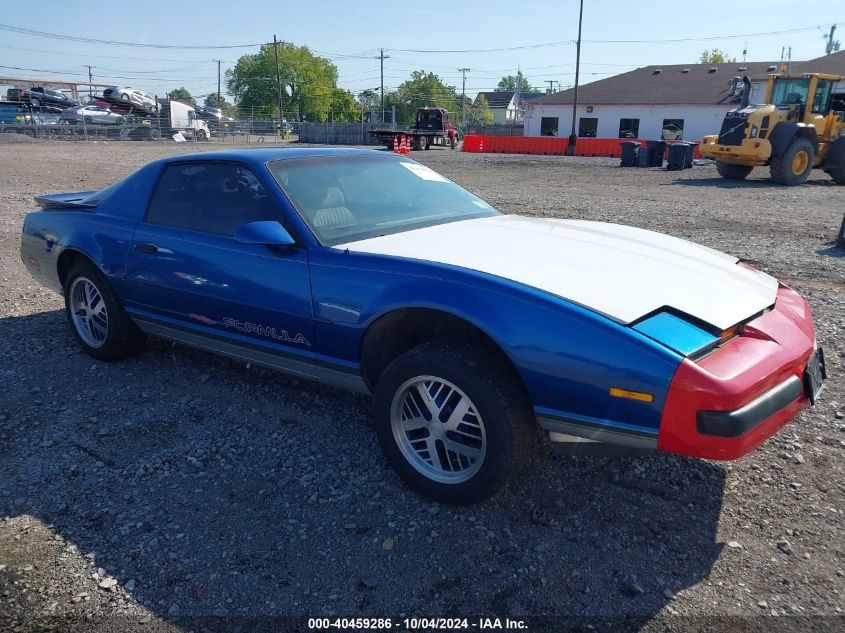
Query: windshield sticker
(423, 172)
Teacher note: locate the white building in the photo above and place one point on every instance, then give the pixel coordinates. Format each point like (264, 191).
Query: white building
(682, 101)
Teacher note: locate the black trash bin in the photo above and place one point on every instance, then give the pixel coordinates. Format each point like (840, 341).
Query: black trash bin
(656, 151)
(677, 156)
(643, 157)
(691, 154)
(629, 153)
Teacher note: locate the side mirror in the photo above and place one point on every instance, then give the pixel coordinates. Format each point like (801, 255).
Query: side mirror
(265, 232)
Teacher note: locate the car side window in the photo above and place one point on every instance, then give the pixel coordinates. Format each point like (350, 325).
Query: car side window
(215, 198)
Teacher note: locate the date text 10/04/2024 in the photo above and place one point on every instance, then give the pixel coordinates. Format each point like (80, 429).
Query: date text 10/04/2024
(416, 624)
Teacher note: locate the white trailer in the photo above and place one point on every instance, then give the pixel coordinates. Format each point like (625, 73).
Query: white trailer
(173, 117)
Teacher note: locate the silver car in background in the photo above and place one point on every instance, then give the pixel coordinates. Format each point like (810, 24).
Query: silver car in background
(131, 95)
(91, 115)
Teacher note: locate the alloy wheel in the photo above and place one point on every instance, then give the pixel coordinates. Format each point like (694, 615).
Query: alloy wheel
(88, 311)
(438, 429)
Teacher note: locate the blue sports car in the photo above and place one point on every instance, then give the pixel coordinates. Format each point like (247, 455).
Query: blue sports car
(471, 329)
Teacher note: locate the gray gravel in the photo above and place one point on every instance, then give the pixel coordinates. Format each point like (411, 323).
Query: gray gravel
(179, 490)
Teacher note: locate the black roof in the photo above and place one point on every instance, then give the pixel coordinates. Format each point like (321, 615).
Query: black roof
(497, 99)
(683, 84)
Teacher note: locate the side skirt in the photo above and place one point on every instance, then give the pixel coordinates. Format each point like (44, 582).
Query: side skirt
(576, 436)
(341, 377)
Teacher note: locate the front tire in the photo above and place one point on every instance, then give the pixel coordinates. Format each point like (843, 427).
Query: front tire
(793, 167)
(453, 421)
(97, 319)
(733, 172)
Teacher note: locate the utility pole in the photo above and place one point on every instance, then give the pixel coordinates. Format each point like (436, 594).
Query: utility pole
(517, 95)
(744, 52)
(463, 72)
(551, 83)
(789, 63)
(278, 78)
(90, 79)
(381, 57)
(573, 138)
(219, 61)
(831, 46)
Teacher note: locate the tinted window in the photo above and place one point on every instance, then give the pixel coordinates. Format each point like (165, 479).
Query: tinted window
(790, 91)
(548, 126)
(588, 127)
(673, 129)
(629, 128)
(822, 96)
(210, 197)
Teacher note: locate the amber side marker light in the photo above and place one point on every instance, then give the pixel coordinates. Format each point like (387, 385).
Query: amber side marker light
(729, 333)
(616, 392)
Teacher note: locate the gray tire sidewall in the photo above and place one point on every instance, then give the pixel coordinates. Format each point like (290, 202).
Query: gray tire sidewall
(468, 377)
(122, 338)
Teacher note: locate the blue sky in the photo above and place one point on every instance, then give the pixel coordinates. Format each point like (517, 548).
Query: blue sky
(351, 33)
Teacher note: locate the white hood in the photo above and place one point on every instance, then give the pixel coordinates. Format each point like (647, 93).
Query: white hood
(620, 271)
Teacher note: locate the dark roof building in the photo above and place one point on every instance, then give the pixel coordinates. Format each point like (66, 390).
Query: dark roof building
(688, 100)
(497, 99)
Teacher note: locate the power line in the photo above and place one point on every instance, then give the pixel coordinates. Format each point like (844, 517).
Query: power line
(91, 40)
(706, 39)
(100, 56)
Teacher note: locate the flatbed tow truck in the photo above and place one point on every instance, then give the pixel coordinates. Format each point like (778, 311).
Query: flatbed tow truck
(431, 127)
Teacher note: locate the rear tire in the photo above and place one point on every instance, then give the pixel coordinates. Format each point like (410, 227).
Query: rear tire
(98, 321)
(794, 166)
(733, 172)
(489, 443)
(35, 102)
(838, 175)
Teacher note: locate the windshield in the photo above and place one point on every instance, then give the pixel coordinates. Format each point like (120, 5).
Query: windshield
(354, 197)
(790, 91)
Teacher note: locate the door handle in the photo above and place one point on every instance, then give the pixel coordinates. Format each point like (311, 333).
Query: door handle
(146, 248)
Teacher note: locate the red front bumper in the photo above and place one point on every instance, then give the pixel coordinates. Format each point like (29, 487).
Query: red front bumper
(771, 349)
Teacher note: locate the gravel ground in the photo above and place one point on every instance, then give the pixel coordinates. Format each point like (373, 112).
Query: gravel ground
(182, 491)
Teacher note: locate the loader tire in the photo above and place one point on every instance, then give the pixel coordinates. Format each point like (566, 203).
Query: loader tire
(733, 172)
(794, 166)
(838, 175)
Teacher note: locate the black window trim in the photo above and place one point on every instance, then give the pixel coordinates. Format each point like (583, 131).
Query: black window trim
(205, 161)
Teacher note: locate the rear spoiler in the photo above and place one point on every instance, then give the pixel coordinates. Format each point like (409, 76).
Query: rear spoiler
(72, 200)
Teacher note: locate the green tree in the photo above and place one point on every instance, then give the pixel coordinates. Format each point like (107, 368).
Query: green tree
(715, 56)
(343, 106)
(480, 111)
(509, 83)
(423, 89)
(308, 82)
(369, 98)
(181, 94)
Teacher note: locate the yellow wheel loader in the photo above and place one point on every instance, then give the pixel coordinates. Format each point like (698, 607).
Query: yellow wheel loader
(800, 127)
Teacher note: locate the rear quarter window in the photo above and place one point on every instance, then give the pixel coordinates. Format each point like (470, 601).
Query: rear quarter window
(215, 198)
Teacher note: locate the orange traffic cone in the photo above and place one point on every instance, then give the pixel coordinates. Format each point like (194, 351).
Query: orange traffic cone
(403, 148)
(396, 144)
(408, 145)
